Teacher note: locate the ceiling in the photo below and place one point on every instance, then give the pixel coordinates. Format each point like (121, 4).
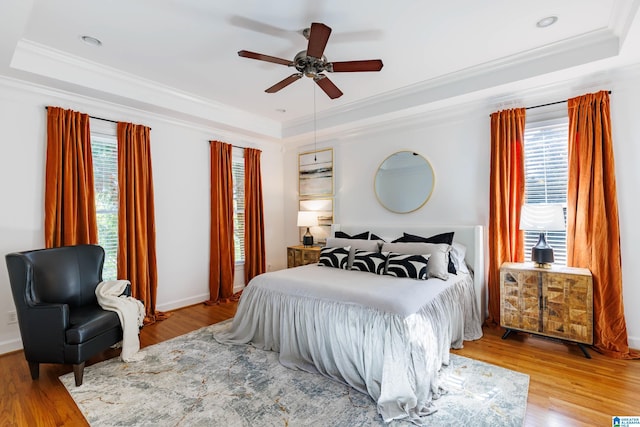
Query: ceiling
(179, 57)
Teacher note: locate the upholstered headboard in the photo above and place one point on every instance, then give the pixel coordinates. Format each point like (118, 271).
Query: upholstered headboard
(472, 236)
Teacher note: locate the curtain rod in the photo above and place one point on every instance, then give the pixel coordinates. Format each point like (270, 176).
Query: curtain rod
(552, 103)
(98, 118)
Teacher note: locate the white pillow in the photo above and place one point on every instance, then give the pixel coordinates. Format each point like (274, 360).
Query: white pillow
(438, 262)
(457, 254)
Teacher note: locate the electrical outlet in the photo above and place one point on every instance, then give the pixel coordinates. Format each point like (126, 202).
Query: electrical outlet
(12, 318)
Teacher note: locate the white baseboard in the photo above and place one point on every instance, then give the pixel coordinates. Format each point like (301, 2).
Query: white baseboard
(192, 300)
(173, 305)
(634, 343)
(10, 345)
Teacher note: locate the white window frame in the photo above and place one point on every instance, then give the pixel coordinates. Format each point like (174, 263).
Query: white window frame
(549, 170)
(238, 204)
(106, 133)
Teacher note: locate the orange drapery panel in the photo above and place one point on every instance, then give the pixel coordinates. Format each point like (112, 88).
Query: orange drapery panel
(221, 256)
(69, 196)
(506, 241)
(593, 234)
(254, 247)
(136, 217)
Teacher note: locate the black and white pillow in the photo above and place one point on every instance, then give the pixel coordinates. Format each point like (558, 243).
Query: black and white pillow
(446, 238)
(371, 262)
(407, 265)
(336, 257)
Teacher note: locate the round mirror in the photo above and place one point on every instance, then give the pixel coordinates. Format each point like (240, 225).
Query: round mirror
(404, 182)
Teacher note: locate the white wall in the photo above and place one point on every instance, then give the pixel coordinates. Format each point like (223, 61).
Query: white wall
(180, 157)
(457, 143)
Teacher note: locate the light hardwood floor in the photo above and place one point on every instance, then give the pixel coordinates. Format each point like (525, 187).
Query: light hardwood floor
(565, 389)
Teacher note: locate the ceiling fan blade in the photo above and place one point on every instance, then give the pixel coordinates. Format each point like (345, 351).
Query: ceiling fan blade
(284, 83)
(261, 57)
(318, 38)
(327, 86)
(349, 66)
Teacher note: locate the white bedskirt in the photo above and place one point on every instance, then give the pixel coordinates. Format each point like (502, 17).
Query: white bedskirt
(314, 318)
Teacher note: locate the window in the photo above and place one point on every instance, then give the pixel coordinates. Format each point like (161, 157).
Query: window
(104, 149)
(546, 176)
(238, 204)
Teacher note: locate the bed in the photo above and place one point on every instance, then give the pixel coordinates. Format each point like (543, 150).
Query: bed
(385, 336)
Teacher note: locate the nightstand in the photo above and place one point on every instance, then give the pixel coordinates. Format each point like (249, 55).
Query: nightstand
(302, 255)
(554, 302)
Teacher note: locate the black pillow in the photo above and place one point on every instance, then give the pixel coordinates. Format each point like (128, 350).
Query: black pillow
(334, 257)
(405, 265)
(374, 237)
(438, 238)
(343, 235)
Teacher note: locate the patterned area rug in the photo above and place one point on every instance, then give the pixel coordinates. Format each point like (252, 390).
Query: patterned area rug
(192, 380)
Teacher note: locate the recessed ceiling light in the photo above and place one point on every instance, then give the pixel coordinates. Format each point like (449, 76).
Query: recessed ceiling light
(91, 41)
(546, 22)
(281, 110)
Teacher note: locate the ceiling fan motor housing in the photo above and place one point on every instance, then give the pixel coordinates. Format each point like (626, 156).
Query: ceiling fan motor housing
(308, 65)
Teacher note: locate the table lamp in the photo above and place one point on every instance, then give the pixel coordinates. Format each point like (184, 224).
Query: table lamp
(542, 217)
(307, 219)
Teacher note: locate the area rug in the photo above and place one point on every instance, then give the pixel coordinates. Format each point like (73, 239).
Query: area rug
(192, 380)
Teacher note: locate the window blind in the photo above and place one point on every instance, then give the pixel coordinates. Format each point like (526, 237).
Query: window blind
(238, 204)
(546, 177)
(104, 149)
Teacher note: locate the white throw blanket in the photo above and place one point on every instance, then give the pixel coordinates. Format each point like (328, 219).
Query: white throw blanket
(130, 311)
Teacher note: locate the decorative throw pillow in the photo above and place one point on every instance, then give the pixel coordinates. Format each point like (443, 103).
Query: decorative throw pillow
(371, 262)
(457, 254)
(343, 235)
(439, 254)
(407, 265)
(366, 245)
(437, 238)
(374, 237)
(334, 257)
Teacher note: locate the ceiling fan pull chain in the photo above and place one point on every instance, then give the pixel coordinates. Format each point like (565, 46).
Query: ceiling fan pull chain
(315, 140)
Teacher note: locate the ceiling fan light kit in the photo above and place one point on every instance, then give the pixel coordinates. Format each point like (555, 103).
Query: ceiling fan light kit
(312, 62)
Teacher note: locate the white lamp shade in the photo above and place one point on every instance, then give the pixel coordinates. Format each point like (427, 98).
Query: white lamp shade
(307, 219)
(542, 217)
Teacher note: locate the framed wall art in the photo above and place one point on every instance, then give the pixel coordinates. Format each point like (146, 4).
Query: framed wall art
(315, 173)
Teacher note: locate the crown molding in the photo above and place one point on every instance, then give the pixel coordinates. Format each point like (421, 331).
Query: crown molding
(561, 87)
(90, 77)
(563, 55)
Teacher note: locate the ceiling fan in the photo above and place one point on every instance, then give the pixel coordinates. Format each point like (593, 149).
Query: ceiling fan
(312, 63)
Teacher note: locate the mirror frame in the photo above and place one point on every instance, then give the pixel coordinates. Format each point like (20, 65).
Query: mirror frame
(426, 199)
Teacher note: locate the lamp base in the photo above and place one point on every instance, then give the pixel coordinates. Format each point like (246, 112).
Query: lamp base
(542, 253)
(307, 239)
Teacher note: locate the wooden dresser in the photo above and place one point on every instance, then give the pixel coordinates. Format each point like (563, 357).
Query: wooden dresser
(301, 255)
(555, 302)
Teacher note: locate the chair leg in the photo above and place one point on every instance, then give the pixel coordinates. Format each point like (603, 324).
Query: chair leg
(34, 368)
(78, 371)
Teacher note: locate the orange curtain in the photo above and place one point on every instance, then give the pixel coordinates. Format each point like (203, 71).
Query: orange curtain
(69, 196)
(506, 241)
(593, 235)
(254, 248)
(221, 256)
(136, 223)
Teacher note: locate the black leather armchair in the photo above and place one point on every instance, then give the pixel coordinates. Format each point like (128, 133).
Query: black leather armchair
(59, 317)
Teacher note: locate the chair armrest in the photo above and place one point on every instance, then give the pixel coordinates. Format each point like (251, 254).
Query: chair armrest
(47, 316)
(43, 327)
